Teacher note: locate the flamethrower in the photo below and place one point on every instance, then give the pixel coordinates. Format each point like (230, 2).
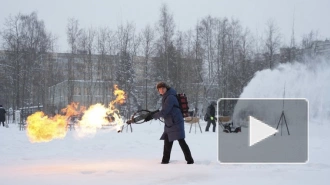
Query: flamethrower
(140, 116)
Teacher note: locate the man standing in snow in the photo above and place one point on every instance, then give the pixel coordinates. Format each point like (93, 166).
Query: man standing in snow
(210, 116)
(174, 123)
(2, 115)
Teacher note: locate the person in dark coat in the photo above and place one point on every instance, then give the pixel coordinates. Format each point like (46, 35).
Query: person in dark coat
(174, 123)
(2, 115)
(210, 116)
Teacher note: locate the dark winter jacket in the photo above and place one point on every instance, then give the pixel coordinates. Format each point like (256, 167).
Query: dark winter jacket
(173, 119)
(2, 114)
(210, 112)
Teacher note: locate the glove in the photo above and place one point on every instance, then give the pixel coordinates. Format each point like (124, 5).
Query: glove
(211, 118)
(148, 118)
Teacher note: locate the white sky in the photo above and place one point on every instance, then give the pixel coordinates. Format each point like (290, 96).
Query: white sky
(308, 14)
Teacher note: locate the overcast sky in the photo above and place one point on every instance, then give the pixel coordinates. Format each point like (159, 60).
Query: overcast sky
(307, 14)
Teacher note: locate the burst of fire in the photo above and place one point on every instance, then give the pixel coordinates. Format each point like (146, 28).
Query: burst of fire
(41, 128)
(120, 95)
(73, 109)
(92, 120)
(113, 111)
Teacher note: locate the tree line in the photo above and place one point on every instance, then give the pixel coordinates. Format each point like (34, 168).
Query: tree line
(216, 58)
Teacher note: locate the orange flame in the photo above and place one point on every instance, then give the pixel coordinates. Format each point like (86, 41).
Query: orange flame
(120, 99)
(120, 95)
(73, 109)
(41, 128)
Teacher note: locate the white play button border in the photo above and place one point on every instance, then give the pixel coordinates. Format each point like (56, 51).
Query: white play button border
(259, 131)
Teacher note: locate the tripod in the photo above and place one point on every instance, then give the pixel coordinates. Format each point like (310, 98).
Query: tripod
(282, 119)
(127, 125)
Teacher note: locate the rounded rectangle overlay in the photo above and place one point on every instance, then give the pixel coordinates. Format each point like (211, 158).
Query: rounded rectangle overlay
(263, 130)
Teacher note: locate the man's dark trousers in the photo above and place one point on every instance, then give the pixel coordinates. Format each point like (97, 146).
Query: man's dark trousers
(168, 148)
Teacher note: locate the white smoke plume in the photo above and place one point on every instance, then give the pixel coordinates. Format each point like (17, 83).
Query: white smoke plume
(309, 80)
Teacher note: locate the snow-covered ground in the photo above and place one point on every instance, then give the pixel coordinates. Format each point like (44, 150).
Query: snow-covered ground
(134, 158)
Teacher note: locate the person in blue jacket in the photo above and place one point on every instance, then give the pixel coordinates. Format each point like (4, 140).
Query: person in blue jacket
(174, 123)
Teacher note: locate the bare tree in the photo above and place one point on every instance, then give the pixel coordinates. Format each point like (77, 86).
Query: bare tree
(135, 60)
(111, 50)
(207, 35)
(103, 62)
(124, 70)
(12, 37)
(179, 70)
(83, 48)
(148, 47)
(222, 56)
(272, 42)
(125, 74)
(290, 56)
(197, 63)
(73, 34)
(235, 49)
(308, 39)
(26, 42)
(85, 51)
(165, 28)
(245, 72)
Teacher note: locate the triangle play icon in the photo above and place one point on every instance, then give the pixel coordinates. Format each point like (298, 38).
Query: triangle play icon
(259, 131)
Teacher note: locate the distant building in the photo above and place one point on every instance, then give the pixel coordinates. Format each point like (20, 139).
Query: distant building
(84, 92)
(317, 48)
(89, 79)
(321, 47)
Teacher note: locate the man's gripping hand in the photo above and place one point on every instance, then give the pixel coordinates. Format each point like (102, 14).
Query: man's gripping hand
(148, 118)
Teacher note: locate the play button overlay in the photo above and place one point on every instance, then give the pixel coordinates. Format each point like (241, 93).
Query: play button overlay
(262, 131)
(259, 131)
